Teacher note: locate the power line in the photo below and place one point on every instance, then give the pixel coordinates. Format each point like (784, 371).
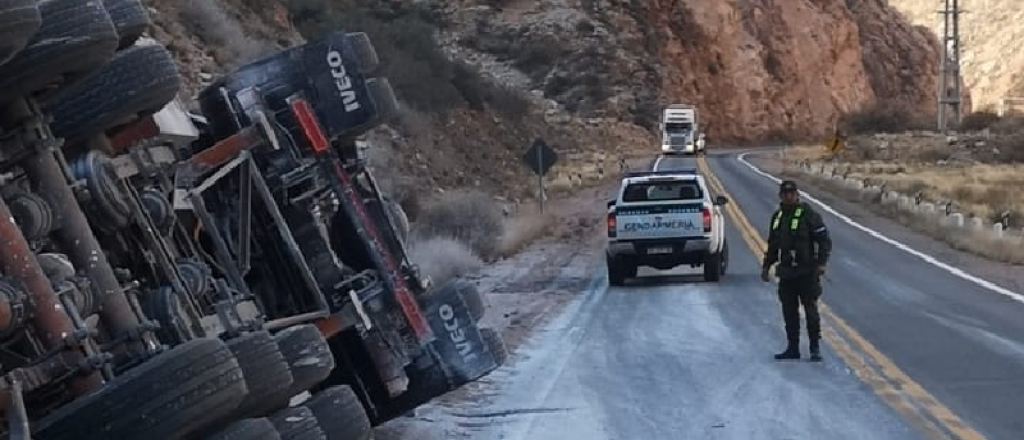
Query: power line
(949, 90)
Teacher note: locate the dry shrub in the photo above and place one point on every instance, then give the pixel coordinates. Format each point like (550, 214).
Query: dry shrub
(977, 242)
(471, 217)
(222, 33)
(411, 57)
(1008, 125)
(442, 258)
(978, 189)
(523, 229)
(978, 121)
(885, 117)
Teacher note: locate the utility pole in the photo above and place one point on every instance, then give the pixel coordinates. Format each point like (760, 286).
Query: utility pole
(949, 92)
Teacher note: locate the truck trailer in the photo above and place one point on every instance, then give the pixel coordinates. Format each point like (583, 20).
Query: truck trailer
(175, 274)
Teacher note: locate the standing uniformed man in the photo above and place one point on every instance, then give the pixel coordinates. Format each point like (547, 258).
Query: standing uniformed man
(799, 241)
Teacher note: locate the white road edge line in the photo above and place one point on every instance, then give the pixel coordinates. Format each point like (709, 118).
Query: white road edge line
(656, 163)
(901, 246)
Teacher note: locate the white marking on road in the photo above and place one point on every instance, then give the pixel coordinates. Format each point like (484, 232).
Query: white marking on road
(960, 273)
(656, 163)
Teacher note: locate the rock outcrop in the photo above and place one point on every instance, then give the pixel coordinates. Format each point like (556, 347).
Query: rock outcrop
(755, 68)
(990, 32)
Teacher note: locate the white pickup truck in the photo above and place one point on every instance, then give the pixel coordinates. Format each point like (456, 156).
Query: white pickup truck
(665, 219)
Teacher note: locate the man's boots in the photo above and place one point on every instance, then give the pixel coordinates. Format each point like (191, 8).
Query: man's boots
(792, 350)
(815, 351)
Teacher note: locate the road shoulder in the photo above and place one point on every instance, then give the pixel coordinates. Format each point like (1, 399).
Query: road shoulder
(523, 293)
(1003, 274)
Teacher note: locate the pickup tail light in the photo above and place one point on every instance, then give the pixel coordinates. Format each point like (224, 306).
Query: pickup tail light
(707, 218)
(611, 225)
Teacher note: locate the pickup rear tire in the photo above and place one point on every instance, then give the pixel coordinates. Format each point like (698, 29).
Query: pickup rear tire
(619, 271)
(715, 264)
(725, 256)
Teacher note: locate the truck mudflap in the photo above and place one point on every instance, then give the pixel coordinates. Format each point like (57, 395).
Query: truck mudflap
(464, 354)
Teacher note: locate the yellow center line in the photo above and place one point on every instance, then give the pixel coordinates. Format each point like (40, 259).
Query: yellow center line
(890, 383)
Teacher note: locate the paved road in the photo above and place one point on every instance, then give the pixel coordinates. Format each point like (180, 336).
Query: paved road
(670, 358)
(962, 343)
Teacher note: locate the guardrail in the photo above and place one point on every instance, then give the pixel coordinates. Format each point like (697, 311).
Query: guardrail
(946, 212)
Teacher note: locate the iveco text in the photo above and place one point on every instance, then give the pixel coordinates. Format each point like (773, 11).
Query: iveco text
(456, 333)
(342, 81)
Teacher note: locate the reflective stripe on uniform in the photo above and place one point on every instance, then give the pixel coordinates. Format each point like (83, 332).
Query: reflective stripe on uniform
(794, 223)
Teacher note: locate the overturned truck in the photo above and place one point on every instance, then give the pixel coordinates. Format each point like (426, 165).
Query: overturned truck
(174, 275)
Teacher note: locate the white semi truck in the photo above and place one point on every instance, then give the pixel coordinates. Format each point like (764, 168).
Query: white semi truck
(680, 131)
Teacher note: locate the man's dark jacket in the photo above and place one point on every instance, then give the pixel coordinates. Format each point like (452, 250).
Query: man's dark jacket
(798, 240)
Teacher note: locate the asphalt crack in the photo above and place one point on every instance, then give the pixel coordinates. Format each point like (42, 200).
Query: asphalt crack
(511, 413)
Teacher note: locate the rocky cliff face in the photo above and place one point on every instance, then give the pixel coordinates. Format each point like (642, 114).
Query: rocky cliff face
(587, 75)
(992, 65)
(755, 68)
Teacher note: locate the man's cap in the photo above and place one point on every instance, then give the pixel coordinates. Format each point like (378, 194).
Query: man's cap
(787, 186)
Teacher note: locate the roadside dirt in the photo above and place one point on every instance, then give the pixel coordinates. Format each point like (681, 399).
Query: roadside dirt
(522, 293)
(1006, 275)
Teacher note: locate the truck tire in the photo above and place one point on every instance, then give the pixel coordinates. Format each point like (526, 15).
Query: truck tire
(180, 392)
(138, 81)
(340, 414)
(75, 38)
(308, 355)
(297, 423)
(364, 52)
(474, 299)
(267, 374)
(248, 429)
(398, 218)
(19, 20)
(469, 293)
(383, 96)
(495, 344)
(130, 18)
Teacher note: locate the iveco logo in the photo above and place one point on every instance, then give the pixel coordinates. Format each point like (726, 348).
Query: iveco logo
(456, 333)
(342, 81)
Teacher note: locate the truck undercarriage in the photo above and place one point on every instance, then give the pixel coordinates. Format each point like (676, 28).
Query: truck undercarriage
(172, 275)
